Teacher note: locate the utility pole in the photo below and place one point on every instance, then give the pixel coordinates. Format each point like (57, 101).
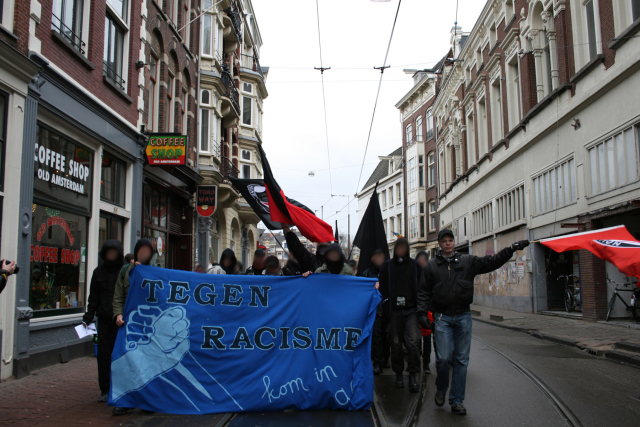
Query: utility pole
(349, 232)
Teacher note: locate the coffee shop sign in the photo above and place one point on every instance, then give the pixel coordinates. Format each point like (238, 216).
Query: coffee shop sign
(46, 157)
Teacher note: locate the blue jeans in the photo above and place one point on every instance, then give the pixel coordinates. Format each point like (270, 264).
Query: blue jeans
(453, 344)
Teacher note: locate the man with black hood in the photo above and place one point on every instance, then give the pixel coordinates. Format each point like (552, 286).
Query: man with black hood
(307, 260)
(399, 278)
(142, 254)
(292, 267)
(103, 283)
(227, 264)
(380, 345)
(257, 268)
(334, 262)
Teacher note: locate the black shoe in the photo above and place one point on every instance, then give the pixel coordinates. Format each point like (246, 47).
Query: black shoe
(413, 384)
(458, 409)
(386, 365)
(103, 397)
(119, 411)
(426, 370)
(377, 370)
(399, 381)
(440, 398)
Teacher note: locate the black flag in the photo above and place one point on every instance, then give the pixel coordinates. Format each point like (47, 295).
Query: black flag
(371, 235)
(255, 193)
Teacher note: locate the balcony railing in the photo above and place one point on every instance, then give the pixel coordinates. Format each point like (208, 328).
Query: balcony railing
(111, 74)
(227, 168)
(232, 13)
(251, 63)
(232, 91)
(414, 140)
(68, 34)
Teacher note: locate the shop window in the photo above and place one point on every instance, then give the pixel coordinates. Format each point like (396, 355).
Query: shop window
(156, 208)
(112, 184)
(63, 170)
(3, 134)
(57, 272)
(159, 242)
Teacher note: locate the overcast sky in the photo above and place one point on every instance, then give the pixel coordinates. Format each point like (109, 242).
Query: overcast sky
(355, 34)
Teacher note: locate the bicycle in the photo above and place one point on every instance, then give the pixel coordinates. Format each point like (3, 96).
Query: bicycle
(634, 307)
(572, 297)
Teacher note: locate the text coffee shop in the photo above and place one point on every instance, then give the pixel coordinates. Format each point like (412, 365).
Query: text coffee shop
(169, 185)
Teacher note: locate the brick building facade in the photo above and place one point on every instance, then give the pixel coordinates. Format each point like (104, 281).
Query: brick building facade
(523, 118)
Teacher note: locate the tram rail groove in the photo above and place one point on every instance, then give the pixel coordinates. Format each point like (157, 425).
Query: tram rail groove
(562, 409)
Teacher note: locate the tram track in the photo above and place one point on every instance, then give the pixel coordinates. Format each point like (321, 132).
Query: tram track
(561, 408)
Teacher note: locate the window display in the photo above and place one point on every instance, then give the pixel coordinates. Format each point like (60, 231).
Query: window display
(58, 262)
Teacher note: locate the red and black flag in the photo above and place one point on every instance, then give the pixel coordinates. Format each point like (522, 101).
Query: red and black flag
(283, 211)
(255, 193)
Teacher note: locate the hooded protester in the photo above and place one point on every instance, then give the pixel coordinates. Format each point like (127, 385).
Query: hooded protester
(103, 283)
(380, 344)
(334, 262)
(399, 278)
(272, 266)
(422, 258)
(257, 268)
(307, 260)
(292, 267)
(238, 269)
(227, 263)
(142, 254)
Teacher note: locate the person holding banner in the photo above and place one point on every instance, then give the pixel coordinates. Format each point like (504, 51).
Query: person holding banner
(103, 282)
(142, 254)
(380, 345)
(292, 267)
(272, 266)
(446, 289)
(399, 278)
(307, 260)
(333, 262)
(257, 268)
(227, 263)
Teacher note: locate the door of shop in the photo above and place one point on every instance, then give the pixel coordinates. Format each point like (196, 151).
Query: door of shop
(559, 264)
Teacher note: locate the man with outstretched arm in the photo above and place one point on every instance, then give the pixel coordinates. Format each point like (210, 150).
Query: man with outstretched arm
(446, 289)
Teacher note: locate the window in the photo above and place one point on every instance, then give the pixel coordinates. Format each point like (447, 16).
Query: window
(471, 140)
(400, 224)
(153, 95)
(247, 87)
(246, 171)
(413, 222)
(113, 180)
(246, 155)
(409, 135)
(156, 211)
(510, 207)
(113, 46)
(492, 36)
(441, 171)
(171, 91)
(508, 7)
(120, 7)
(514, 95)
(482, 219)
(635, 5)
(398, 193)
(412, 174)
(555, 187)
(384, 200)
(392, 222)
(497, 129)
(67, 20)
(390, 196)
(247, 103)
(429, 125)
(482, 127)
(591, 29)
(422, 220)
(613, 162)
(4, 102)
(421, 171)
(205, 132)
(431, 159)
(185, 109)
(432, 215)
(419, 128)
(385, 229)
(207, 41)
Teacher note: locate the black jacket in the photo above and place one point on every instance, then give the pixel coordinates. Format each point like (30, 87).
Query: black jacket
(371, 272)
(103, 282)
(387, 280)
(447, 287)
(307, 260)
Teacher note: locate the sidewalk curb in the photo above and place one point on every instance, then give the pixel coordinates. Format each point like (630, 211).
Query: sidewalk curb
(502, 325)
(623, 357)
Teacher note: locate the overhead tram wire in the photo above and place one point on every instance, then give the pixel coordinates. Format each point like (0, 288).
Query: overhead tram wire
(384, 65)
(324, 102)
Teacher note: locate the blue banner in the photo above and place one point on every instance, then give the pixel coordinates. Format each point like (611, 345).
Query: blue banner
(201, 343)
